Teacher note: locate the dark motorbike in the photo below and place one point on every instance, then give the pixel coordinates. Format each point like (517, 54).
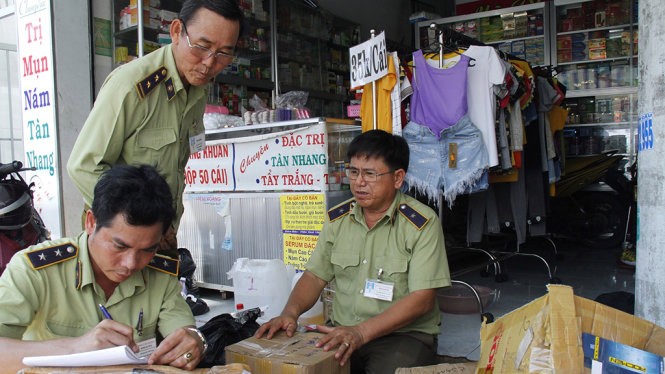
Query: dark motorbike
(594, 202)
(20, 224)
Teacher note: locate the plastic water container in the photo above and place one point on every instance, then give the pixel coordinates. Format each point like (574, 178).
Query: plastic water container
(261, 283)
(315, 314)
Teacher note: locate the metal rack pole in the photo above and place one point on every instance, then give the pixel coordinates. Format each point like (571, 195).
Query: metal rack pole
(374, 126)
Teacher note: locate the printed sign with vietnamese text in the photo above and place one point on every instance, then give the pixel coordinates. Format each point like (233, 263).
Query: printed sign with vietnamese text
(302, 220)
(368, 61)
(38, 101)
(294, 160)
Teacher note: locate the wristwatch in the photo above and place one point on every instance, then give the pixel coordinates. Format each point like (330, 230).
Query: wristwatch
(203, 338)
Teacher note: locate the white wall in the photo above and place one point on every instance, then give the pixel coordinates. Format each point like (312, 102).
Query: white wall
(73, 82)
(649, 275)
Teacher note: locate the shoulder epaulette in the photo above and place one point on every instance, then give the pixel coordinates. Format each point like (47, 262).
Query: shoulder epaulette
(44, 257)
(340, 210)
(165, 264)
(170, 88)
(145, 86)
(413, 216)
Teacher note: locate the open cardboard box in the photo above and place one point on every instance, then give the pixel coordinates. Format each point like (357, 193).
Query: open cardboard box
(545, 335)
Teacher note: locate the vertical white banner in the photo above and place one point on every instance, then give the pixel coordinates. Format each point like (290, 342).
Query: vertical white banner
(35, 51)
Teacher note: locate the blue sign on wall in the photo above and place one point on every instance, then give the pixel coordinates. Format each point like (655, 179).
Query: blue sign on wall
(645, 137)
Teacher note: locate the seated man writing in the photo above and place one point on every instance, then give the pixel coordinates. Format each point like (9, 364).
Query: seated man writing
(386, 254)
(50, 293)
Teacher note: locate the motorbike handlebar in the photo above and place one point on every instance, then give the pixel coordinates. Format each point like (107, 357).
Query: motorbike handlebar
(13, 167)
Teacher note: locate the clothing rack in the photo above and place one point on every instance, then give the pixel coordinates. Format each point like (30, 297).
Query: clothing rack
(449, 40)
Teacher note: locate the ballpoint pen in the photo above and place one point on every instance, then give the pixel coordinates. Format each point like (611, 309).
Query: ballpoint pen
(139, 324)
(105, 312)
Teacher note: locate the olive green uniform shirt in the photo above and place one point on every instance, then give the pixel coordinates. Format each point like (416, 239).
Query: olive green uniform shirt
(142, 115)
(60, 298)
(407, 244)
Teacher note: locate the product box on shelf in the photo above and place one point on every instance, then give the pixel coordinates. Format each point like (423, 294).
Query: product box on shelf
(283, 354)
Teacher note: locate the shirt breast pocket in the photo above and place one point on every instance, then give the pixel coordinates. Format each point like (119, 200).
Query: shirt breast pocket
(65, 329)
(346, 270)
(149, 331)
(394, 269)
(156, 139)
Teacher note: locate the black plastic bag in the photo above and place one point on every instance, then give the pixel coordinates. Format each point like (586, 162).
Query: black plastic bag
(223, 330)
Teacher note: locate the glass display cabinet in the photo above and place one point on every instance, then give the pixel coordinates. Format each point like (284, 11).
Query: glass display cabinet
(595, 51)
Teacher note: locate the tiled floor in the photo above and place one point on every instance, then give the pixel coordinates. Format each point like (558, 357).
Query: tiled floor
(590, 272)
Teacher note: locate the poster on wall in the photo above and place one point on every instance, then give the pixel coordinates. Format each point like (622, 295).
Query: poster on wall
(294, 160)
(35, 52)
(302, 220)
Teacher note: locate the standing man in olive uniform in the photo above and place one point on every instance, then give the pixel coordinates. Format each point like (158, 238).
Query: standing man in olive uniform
(150, 111)
(50, 294)
(386, 253)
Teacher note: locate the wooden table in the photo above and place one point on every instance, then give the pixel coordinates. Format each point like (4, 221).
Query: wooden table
(138, 369)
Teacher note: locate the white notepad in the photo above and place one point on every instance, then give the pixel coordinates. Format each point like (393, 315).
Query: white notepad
(120, 355)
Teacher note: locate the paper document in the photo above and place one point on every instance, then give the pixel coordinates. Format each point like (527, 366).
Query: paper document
(120, 355)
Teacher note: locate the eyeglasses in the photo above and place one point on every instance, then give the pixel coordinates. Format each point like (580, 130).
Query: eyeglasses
(368, 175)
(204, 53)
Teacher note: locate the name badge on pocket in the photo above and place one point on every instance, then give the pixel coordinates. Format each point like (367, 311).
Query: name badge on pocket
(377, 289)
(197, 142)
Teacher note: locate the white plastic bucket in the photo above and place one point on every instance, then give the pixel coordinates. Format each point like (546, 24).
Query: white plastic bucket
(315, 314)
(261, 283)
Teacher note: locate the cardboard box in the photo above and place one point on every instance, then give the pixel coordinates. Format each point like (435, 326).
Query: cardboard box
(281, 354)
(609, 357)
(542, 334)
(459, 368)
(546, 334)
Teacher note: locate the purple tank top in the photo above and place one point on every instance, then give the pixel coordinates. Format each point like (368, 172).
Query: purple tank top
(439, 95)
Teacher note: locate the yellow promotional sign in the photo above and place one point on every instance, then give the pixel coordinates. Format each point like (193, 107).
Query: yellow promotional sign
(302, 220)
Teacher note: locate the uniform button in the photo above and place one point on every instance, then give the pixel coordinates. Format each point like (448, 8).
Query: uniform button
(364, 261)
(70, 249)
(361, 290)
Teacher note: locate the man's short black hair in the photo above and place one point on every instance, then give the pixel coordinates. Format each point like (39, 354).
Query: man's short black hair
(228, 9)
(379, 144)
(139, 193)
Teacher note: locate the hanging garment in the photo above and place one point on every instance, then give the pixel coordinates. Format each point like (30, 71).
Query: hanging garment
(454, 163)
(439, 95)
(487, 71)
(395, 100)
(384, 88)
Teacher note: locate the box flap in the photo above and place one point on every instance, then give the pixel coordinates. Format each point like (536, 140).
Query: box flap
(538, 336)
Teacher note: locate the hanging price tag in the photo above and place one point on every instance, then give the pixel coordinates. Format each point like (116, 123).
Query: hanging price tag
(368, 61)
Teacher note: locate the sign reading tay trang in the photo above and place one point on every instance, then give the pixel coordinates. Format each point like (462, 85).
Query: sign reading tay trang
(368, 61)
(293, 160)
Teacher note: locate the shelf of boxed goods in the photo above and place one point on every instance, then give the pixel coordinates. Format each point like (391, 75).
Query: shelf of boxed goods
(595, 51)
(601, 120)
(157, 16)
(519, 31)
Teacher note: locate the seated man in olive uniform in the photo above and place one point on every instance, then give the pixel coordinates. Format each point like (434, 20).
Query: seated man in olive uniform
(385, 251)
(50, 293)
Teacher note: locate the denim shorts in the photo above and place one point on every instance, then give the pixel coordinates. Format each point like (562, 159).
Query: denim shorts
(429, 172)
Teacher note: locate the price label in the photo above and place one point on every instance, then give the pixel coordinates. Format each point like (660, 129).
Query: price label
(368, 61)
